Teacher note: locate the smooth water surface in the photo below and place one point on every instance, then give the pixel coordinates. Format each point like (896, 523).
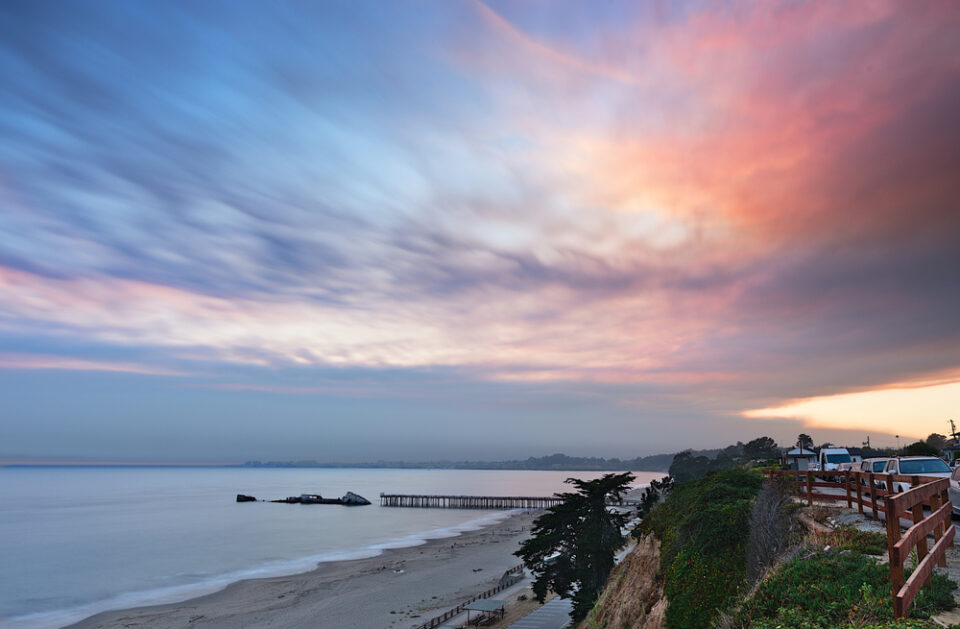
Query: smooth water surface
(76, 541)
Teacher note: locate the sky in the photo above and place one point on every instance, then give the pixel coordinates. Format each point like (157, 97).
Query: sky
(448, 230)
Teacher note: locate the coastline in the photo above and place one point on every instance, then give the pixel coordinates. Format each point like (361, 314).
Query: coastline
(397, 589)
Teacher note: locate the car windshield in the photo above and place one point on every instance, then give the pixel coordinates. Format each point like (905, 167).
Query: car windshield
(838, 458)
(923, 466)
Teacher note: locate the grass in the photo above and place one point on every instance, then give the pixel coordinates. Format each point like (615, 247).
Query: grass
(805, 624)
(826, 590)
(850, 538)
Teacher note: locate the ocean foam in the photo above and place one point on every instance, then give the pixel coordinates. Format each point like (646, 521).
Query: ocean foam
(177, 593)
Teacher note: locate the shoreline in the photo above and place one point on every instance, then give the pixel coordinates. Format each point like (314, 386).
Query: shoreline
(397, 589)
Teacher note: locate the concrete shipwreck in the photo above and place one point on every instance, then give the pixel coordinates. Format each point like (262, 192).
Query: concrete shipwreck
(349, 499)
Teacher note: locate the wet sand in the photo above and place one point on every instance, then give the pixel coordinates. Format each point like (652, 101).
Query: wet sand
(397, 590)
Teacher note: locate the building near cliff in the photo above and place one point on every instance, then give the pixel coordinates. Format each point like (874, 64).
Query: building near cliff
(800, 458)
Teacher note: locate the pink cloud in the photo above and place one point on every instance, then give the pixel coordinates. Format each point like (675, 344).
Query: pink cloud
(499, 331)
(67, 363)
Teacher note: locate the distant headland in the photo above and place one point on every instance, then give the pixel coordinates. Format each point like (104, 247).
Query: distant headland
(652, 463)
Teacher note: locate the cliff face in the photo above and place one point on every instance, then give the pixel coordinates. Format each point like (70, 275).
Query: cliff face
(634, 595)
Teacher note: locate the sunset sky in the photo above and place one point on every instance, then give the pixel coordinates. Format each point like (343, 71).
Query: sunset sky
(444, 230)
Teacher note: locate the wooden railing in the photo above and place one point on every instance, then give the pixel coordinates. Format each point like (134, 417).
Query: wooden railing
(910, 503)
(867, 490)
(517, 574)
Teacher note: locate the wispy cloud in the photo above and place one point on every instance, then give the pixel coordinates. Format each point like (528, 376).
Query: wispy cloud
(67, 363)
(755, 203)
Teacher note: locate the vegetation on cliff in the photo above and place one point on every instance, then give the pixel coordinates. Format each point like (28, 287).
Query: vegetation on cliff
(703, 528)
(827, 590)
(732, 556)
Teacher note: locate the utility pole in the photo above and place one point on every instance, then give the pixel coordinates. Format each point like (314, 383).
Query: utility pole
(866, 444)
(953, 431)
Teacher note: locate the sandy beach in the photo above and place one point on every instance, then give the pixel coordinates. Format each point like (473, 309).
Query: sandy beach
(397, 590)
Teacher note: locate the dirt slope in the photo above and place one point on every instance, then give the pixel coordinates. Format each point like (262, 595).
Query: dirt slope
(634, 595)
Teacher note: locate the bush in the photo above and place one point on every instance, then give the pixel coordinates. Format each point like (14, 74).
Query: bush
(771, 526)
(799, 622)
(834, 590)
(655, 492)
(703, 529)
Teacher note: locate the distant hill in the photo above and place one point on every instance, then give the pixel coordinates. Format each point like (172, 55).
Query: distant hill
(653, 463)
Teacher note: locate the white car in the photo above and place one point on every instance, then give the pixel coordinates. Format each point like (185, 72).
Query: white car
(955, 490)
(874, 465)
(919, 465)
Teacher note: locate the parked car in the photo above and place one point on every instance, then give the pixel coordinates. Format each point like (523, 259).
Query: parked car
(874, 465)
(955, 490)
(919, 465)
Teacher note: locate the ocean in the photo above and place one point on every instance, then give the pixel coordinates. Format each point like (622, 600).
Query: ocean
(75, 541)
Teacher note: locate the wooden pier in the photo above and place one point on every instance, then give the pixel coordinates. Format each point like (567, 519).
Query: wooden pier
(468, 502)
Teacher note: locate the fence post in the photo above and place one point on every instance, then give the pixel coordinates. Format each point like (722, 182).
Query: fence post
(917, 512)
(938, 529)
(896, 567)
(810, 489)
(846, 482)
(859, 480)
(873, 495)
(944, 499)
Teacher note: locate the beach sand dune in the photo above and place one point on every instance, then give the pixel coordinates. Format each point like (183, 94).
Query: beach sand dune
(397, 590)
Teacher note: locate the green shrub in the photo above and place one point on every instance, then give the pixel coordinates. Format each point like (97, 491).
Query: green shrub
(703, 528)
(835, 590)
(796, 621)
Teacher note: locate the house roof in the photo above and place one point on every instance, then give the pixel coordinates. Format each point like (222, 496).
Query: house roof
(801, 452)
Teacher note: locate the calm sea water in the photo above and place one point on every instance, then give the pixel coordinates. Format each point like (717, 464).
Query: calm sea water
(77, 541)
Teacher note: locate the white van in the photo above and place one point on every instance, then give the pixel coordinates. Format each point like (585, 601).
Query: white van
(830, 458)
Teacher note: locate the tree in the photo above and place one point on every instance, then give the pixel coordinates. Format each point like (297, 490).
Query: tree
(761, 448)
(804, 441)
(572, 546)
(937, 440)
(919, 448)
(653, 494)
(686, 467)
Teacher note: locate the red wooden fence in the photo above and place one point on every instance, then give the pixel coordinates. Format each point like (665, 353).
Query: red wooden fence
(878, 493)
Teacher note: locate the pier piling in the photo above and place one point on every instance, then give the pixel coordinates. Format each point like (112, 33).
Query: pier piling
(468, 502)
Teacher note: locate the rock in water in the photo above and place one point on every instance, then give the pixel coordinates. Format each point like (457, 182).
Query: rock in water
(244, 498)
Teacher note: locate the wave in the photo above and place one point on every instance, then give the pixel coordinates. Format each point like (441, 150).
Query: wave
(209, 585)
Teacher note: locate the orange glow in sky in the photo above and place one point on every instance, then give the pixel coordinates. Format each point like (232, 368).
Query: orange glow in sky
(911, 412)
